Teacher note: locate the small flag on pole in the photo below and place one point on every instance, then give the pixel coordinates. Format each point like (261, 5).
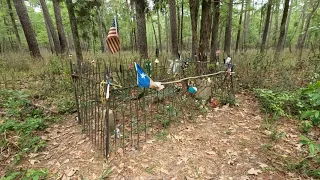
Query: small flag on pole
(113, 40)
(144, 81)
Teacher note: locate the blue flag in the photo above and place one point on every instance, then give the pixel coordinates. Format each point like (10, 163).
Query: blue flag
(143, 80)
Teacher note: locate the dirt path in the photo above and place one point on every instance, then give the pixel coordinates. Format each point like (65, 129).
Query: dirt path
(226, 144)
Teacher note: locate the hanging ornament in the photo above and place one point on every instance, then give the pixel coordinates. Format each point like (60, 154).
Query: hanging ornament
(156, 61)
(192, 89)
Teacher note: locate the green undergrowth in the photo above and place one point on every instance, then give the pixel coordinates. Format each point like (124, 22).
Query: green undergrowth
(302, 104)
(20, 127)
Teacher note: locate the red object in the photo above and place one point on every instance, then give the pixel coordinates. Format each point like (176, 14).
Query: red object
(213, 102)
(113, 40)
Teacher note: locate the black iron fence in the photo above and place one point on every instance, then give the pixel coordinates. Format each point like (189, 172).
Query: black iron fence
(132, 114)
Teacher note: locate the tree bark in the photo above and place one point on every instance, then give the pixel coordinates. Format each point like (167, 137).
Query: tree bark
(181, 32)
(287, 23)
(266, 27)
(14, 25)
(194, 8)
(215, 29)
(59, 24)
(305, 31)
(74, 30)
(303, 14)
(101, 34)
(228, 34)
(276, 24)
(167, 32)
(142, 33)
(178, 25)
(155, 34)
(239, 28)
(173, 25)
(282, 30)
(51, 45)
(246, 25)
(159, 31)
(48, 20)
(205, 30)
(27, 28)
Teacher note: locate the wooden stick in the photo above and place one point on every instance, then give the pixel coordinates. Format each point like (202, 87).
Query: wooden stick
(195, 77)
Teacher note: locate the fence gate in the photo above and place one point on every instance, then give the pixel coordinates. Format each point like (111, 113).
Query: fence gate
(132, 115)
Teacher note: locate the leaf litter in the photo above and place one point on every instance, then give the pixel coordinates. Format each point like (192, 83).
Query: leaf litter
(195, 150)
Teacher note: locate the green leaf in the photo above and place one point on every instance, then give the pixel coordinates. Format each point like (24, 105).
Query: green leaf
(311, 149)
(316, 115)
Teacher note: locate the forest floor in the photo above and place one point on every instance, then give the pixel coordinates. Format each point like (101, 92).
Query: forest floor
(228, 143)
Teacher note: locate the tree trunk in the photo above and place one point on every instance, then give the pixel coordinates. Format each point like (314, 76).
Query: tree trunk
(215, 29)
(61, 34)
(167, 32)
(74, 30)
(266, 27)
(14, 25)
(181, 32)
(288, 23)
(305, 31)
(51, 45)
(205, 30)
(48, 20)
(101, 34)
(227, 36)
(282, 30)
(173, 25)
(239, 28)
(246, 25)
(155, 34)
(298, 45)
(178, 24)
(159, 31)
(194, 8)
(27, 28)
(276, 24)
(142, 33)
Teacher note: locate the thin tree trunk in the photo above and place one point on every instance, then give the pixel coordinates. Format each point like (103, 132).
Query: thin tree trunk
(205, 30)
(266, 27)
(142, 33)
(239, 28)
(14, 25)
(181, 32)
(159, 31)
(305, 31)
(155, 34)
(228, 34)
(59, 24)
(167, 32)
(27, 28)
(246, 25)
(74, 29)
(303, 14)
(282, 30)
(173, 25)
(101, 34)
(178, 24)
(288, 23)
(51, 45)
(276, 24)
(215, 29)
(194, 8)
(48, 20)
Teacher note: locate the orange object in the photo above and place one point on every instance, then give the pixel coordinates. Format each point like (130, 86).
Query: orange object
(213, 102)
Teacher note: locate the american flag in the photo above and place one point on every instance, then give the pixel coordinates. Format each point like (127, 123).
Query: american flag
(113, 40)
